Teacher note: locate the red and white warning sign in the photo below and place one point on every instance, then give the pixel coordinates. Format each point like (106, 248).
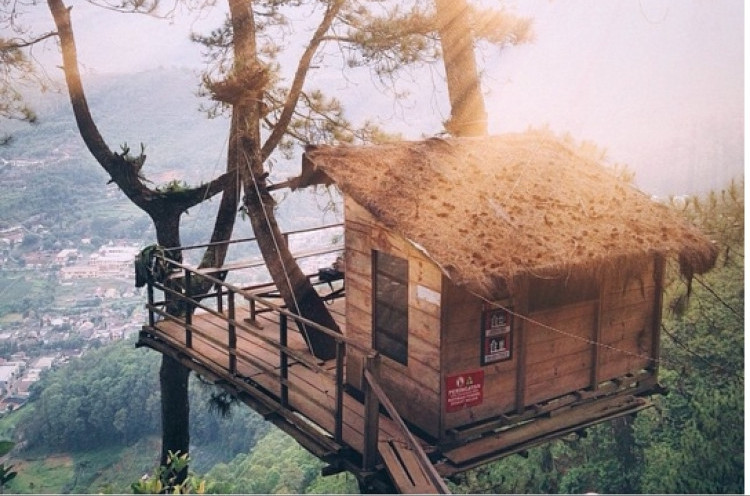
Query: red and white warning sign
(464, 390)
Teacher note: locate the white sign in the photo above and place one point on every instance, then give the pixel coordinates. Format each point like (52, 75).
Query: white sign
(428, 295)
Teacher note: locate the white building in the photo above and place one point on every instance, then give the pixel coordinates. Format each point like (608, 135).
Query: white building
(79, 272)
(9, 373)
(112, 259)
(67, 255)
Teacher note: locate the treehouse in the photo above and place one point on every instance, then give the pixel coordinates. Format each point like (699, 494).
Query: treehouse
(499, 293)
(502, 279)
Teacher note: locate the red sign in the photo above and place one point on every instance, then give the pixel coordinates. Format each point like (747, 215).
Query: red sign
(464, 390)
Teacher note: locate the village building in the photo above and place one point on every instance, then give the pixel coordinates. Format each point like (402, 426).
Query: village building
(114, 259)
(108, 261)
(10, 372)
(67, 256)
(79, 272)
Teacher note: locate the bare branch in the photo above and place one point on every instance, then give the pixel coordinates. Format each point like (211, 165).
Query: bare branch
(17, 43)
(299, 78)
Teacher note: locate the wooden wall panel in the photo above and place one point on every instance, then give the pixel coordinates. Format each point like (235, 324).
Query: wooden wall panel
(424, 326)
(359, 263)
(577, 319)
(627, 326)
(462, 353)
(539, 353)
(424, 272)
(414, 388)
(559, 361)
(560, 366)
(499, 398)
(628, 321)
(462, 356)
(416, 402)
(557, 386)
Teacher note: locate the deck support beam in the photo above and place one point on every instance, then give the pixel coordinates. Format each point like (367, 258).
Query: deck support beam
(338, 434)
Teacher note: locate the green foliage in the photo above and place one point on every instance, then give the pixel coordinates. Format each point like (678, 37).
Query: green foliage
(107, 397)
(277, 465)
(165, 479)
(23, 292)
(110, 397)
(173, 186)
(7, 473)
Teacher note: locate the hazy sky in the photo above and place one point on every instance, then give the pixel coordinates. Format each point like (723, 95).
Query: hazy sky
(657, 83)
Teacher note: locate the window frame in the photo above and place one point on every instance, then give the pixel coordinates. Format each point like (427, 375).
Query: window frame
(391, 339)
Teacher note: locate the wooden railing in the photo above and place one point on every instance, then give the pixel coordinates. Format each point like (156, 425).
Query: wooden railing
(376, 396)
(176, 289)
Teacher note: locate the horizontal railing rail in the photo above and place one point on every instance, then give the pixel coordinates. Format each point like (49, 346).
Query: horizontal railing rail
(286, 235)
(259, 300)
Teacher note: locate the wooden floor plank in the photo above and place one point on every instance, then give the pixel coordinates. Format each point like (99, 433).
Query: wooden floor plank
(540, 427)
(309, 391)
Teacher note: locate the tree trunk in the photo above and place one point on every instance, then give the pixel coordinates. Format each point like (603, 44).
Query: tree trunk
(245, 143)
(468, 114)
(622, 428)
(173, 376)
(295, 288)
(175, 411)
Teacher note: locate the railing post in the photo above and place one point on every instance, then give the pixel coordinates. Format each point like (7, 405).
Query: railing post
(339, 430)
(219, 298)
(283, 360)
(150, 292)
(232, 334)
(372, 414)
(252, 310)
(185, 304)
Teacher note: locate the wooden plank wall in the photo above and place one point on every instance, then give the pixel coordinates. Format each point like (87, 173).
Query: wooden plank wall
(557, 361)
(562, 361)
(630, 322)
(414, 388)
(462, 349)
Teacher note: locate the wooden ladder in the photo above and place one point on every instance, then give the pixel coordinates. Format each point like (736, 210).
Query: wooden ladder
(406, 469)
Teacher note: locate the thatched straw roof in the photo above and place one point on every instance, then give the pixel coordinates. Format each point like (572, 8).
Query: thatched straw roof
(487, 210)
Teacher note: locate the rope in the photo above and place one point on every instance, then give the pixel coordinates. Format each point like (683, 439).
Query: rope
(600, 344)
(566, 333)
(719, 298)
(701, 358)
(275, 241)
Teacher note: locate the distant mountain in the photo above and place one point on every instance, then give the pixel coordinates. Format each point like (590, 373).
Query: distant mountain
(158, 108)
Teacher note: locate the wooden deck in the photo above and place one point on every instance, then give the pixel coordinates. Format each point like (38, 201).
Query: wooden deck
(264, 361)
(311, 390)
(286, 384)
